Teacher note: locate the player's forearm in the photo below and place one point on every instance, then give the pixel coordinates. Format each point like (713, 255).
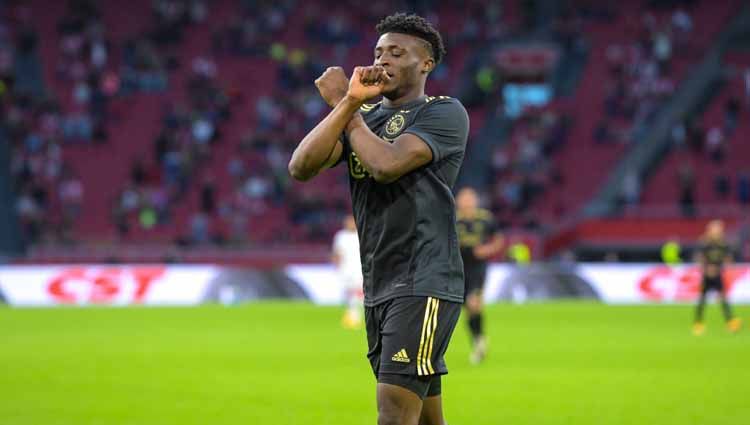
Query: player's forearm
(314, 150)
(493, 247)
(375, 154)
(497, 244)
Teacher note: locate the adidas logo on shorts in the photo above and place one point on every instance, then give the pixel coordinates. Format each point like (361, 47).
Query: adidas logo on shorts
(401, 357)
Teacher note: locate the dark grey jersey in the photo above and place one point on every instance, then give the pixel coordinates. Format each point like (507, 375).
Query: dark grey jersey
(407, 229)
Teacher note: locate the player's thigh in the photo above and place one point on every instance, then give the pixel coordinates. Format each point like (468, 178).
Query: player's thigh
(712, 284)
(397, 405)
(432, 411)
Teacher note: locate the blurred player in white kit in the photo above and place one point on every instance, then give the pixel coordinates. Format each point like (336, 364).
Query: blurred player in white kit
(347, 261)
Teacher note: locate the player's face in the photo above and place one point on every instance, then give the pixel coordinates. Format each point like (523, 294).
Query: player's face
(467, 200)
(715, 229)
(405, 59)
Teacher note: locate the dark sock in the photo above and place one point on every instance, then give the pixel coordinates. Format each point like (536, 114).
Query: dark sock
(475, 325)
(727, 310)
(699, 309)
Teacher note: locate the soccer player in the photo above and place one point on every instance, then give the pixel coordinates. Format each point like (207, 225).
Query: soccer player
(346, 258)
(479, 241)
(403, 154)
(714, 253)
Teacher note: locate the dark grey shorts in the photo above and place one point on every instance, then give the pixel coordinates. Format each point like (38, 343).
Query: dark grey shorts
(409, 336)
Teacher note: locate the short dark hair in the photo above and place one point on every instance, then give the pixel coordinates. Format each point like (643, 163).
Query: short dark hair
(416, 26)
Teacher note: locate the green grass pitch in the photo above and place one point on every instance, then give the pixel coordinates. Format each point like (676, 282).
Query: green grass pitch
(291, 363)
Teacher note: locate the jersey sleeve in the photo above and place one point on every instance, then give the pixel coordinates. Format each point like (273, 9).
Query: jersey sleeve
(444, 127)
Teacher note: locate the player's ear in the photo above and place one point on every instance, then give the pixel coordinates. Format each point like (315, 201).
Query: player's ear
(428, 65)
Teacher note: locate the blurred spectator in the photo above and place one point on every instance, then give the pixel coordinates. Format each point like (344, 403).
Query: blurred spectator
(200, 229)
(731, 114)
(679, 135)
(716, 144)
(144, 68)
(722, 185)
(743, 188)
(696, 137)
(138, 173)
(602, 132)
(686, 184)
(208, 197)
(631, 188)
(662, 49)
(681, 21)
(31, 215)
(500, 161)
(71, 197)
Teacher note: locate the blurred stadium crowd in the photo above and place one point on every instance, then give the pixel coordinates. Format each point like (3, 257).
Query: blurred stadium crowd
(173, 120)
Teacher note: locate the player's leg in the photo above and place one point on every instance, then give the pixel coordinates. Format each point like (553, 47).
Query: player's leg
(733, 323)
(397, 405)
(725, 308)
(432, 411)
(698, 326)
(475, 319)
(432, 406)
(474, 305)
(470, 287)
(474, 310)
(699, 310)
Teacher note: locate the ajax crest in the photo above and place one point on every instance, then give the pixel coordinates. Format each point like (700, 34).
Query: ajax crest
(395, 124)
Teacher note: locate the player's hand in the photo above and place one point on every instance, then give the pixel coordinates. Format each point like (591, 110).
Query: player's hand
(367, 82)
(332, 85)
(482, 252)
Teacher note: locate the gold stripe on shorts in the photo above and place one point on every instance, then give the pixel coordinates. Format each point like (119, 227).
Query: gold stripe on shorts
(432, 336)
(424, 365)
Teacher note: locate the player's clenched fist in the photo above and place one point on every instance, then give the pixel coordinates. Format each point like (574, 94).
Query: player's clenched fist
(367, 82)
(332, 85)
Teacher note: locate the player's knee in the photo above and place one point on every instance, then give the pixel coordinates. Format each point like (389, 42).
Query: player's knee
(386, 417)
(432, 418)
(474, 304)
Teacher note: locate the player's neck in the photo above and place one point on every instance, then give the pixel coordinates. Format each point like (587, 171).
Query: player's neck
(411, 96)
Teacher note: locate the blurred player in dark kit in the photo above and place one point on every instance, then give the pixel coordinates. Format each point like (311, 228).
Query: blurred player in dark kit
(479, 240)
(713, 254)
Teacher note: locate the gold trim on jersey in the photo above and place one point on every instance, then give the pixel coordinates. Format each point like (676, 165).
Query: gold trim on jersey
(431, 98)
(367, 107)
(427, 339)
